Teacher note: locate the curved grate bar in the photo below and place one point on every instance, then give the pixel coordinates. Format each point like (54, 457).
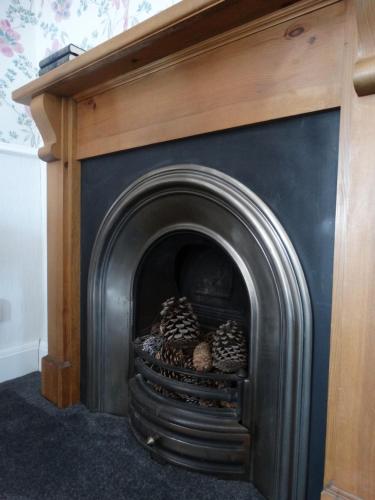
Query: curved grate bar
(184, 371)
(226, 394)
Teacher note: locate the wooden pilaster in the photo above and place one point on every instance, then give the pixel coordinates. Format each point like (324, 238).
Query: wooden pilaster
(350, 451)
(55, 117)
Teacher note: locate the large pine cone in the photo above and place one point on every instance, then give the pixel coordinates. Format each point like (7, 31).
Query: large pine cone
(179, 325)
(229, 348)
(173, 356)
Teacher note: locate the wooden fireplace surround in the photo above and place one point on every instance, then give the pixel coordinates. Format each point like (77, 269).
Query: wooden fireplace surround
(207, 65)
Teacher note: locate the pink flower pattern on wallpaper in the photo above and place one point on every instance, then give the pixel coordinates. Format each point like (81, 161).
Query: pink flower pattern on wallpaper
(61, 9)
(9, 39)
(33, 29)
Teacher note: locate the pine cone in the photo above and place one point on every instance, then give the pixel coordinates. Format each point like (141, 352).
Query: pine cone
(152, 344)
(179, 325)
(209, 403)
(227, 404)
(229, 349)
(171, 355)
(191, 400)
(202, 358)
(174, 356)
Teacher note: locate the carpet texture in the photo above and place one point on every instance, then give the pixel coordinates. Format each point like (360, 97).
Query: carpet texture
(46, 453)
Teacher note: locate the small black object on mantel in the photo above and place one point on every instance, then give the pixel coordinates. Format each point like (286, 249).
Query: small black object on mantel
(62, 56)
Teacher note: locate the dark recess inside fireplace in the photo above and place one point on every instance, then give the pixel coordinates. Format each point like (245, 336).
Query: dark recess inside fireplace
(191, 265)
(195, 271)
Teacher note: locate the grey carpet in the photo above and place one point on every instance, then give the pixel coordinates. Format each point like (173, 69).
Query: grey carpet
(46, 453)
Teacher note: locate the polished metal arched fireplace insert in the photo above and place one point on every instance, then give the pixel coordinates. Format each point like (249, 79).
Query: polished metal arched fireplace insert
(176, 211)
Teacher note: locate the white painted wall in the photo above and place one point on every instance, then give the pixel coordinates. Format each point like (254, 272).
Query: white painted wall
(23, 257)
(23, 297)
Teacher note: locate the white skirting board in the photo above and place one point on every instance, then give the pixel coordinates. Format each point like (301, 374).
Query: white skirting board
(21, 360)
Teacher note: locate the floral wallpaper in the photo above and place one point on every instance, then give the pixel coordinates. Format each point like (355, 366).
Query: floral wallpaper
(32, 29)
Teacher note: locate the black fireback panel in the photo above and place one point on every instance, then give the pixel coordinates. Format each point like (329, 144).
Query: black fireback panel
(291, 164)
(175, 267)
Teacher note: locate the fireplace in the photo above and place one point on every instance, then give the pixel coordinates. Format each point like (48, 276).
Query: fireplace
(188, 230)
(153, 232)
(196, 415)
(188, 88)
(245, 241)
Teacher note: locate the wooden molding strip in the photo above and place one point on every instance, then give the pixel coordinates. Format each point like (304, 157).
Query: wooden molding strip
(333, 493)
(364, 70)
(183, 25)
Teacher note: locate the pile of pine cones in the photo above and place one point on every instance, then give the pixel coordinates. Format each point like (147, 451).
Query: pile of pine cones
(179, 342)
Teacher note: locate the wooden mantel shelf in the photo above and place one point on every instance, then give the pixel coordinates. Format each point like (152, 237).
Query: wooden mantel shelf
(181, 26)
(208, 65)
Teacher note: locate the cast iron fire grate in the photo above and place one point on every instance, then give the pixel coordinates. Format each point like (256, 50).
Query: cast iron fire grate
(188, 389)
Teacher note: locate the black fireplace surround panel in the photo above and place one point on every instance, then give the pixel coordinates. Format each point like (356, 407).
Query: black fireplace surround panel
(291, 164)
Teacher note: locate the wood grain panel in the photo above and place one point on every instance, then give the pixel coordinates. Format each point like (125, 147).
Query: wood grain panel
(350, 453)
(350, 461)
(72, 252)
(289, 69)
(174, 29)
(61, 368)
(55, 225)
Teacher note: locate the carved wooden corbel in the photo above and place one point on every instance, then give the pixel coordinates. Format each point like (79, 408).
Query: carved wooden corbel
(46, 109)
(364, 69)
